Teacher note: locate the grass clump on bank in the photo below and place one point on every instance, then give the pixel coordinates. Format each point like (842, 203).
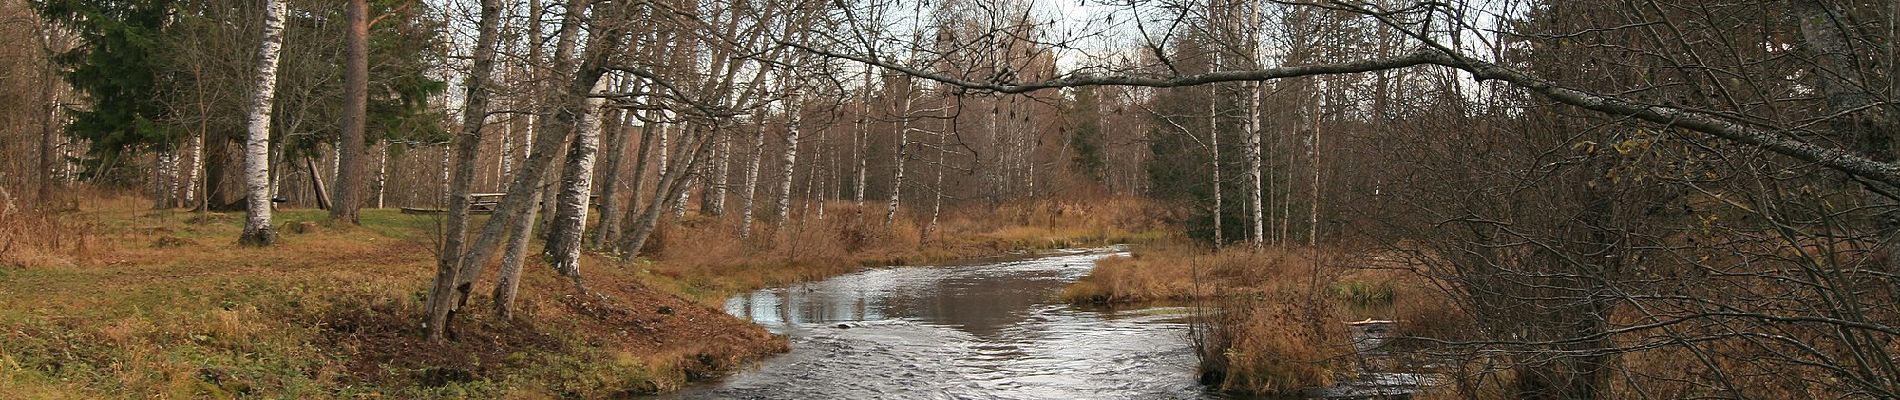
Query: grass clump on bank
(1271, 320)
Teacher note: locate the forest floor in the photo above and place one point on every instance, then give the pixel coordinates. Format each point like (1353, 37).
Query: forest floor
(113, 299)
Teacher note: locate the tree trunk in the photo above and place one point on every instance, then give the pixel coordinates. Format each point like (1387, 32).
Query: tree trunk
(749, 194)
(666, 191)
(936, 197)
(257, 225)
(188, 191)
(382, 174)
(1255, 187)
(789, 161)
(508, 281)
(577, 187)
(617, 135)
(49, 120)
(316, 183)
(468, 147)
(649, 134)
(1312, 237)
(554, 133)
(858, 145)
(903, 152)
(349, 171)
(1859, 120)
(1213, 144)
(722, 167)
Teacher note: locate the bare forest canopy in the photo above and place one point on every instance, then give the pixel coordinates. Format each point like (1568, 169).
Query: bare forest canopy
(1598, 184)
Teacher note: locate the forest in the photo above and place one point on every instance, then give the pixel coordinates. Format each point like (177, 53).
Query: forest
(1537, 199)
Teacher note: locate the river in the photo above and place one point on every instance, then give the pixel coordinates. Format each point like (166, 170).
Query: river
(978, 331)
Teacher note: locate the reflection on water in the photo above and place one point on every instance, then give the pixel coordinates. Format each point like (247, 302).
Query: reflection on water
(990, 331)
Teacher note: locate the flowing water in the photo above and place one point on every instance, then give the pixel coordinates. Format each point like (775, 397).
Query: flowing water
(985, 331)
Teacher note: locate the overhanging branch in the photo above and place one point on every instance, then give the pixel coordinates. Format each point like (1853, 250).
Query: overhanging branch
(1769, 139)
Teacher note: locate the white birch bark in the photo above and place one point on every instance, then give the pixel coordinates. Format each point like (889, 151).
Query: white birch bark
(1213, 144)
(192, 172)
(903, 153)
(1256, 204)
(749, 194)
(722, 167)
(789, 160)
(257, 225)
(577, 187)
(1312, 238)
(382, 174)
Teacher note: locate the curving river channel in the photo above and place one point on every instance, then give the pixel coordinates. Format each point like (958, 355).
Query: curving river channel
(982, 331)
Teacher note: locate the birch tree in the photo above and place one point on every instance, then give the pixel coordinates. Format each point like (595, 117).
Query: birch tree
(257, 224)
(467, 149)
(570, 218)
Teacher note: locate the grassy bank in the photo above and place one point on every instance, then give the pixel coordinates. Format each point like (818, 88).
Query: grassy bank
(114, 300)
(1277, 319)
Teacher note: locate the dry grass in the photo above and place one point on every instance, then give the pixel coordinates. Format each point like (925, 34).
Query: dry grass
(111, 299)
(704, 257)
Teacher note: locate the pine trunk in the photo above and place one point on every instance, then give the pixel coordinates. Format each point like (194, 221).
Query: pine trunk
(349, 171)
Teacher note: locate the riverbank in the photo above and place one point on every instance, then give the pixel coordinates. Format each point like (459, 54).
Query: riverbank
(1278, 319)
(114, 299)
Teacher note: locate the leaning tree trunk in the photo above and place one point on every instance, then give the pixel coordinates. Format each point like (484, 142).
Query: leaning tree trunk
(349, 171)
(617, 135)
(257, 229)
(316, 183)
(666, 191)
(577, 187)
(468, 148)
(519, 194)
(649, 133)
(554, 133)
(508, 281)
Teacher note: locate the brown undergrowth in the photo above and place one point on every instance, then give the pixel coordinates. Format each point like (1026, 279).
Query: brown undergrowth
(110, 299)
(1270, 320)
